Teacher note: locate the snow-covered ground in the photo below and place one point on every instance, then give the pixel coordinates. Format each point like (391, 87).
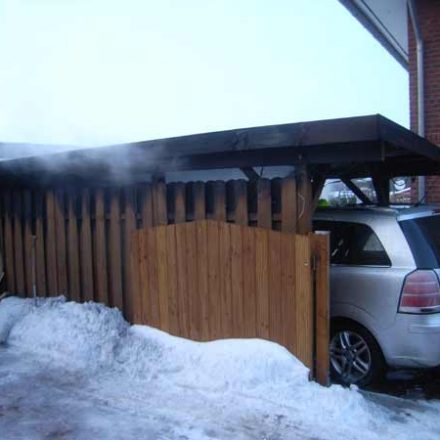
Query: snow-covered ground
(79, 371)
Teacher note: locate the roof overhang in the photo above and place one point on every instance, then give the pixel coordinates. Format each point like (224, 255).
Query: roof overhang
(351, 147)
(386, 21)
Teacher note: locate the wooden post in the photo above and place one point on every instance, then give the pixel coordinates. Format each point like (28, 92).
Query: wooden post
(264, 208)
(160, 215)
(199, 200)
(146, 202)
(179, 203)
(381, 185)
(288, 204)
(305, 203)
(241, 216)
(219, 201)
(321, 256)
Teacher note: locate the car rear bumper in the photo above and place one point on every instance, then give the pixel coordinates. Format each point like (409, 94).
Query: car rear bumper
(413, 341)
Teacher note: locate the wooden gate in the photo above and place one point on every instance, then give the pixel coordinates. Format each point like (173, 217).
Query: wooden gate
(207, 280)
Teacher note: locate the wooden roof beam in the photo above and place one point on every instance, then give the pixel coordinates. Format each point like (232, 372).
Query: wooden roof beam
(356, 190)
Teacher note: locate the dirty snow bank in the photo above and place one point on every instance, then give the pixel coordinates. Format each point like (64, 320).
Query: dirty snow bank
(91, 336)
(96, 341)
(12, 310)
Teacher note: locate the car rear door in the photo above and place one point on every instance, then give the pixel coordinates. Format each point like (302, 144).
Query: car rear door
(364, 285)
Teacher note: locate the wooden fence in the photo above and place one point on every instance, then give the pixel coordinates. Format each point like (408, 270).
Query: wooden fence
(232, 280)
(82, 235)
(209, 280)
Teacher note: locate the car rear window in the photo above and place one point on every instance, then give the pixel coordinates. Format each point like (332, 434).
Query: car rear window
(353, 244)
(423, 236)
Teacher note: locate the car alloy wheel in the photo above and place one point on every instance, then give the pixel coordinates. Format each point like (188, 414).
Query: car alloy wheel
(350, 356)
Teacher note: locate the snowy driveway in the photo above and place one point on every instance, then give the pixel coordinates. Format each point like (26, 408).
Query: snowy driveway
(37, 402)
(79, 372)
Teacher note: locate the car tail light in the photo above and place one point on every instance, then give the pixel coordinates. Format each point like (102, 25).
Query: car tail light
(421, 292)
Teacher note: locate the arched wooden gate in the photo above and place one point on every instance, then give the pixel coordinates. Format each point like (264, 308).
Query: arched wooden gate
(207, 280)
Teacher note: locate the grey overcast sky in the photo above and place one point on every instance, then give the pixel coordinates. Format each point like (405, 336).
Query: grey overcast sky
(92, 72)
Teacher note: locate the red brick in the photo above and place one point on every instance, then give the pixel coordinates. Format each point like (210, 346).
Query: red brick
(429, 19)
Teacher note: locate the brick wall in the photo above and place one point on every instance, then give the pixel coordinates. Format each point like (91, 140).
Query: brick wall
(429, 18)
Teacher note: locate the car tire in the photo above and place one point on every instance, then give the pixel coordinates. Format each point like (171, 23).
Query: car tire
(355, 356)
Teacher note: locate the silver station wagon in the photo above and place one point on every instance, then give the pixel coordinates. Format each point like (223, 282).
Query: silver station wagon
(385, 290)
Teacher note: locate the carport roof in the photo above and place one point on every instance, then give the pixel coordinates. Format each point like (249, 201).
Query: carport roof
(348, 147)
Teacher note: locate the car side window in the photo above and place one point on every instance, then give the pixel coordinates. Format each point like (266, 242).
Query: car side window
(354, 244)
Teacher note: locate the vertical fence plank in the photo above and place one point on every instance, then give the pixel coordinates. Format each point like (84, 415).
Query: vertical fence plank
(262, 290)
(183, 306)
(321, 246)
(50, 239)
(152, 278)
(135, 265)
(162, 277)
(87, 287)
(146, 203)
(115, 264)
(219, 193)
(199, 200)
(101, 282)
(40, 254)
(73, 247)
(304, 305)
(191, 268)
(129, 228)
(225, 274)
(288, 204)
(202, 279)
(264, 209)
(237, 281)
(241, 216)
(9, 242)
(275, 286)
(249, 282)
(60, 231)
(179, 203)
(144, 285)
(288, 291)
(160, 216)
(28, 241)
(214, 295)
(173, 281)
(18, 244)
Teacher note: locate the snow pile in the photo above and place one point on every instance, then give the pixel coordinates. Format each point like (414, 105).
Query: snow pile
(91, 336)
(141, 362)
(12, 310)
(76, 335)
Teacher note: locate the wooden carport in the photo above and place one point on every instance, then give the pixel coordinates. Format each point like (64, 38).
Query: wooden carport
(92, 211)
